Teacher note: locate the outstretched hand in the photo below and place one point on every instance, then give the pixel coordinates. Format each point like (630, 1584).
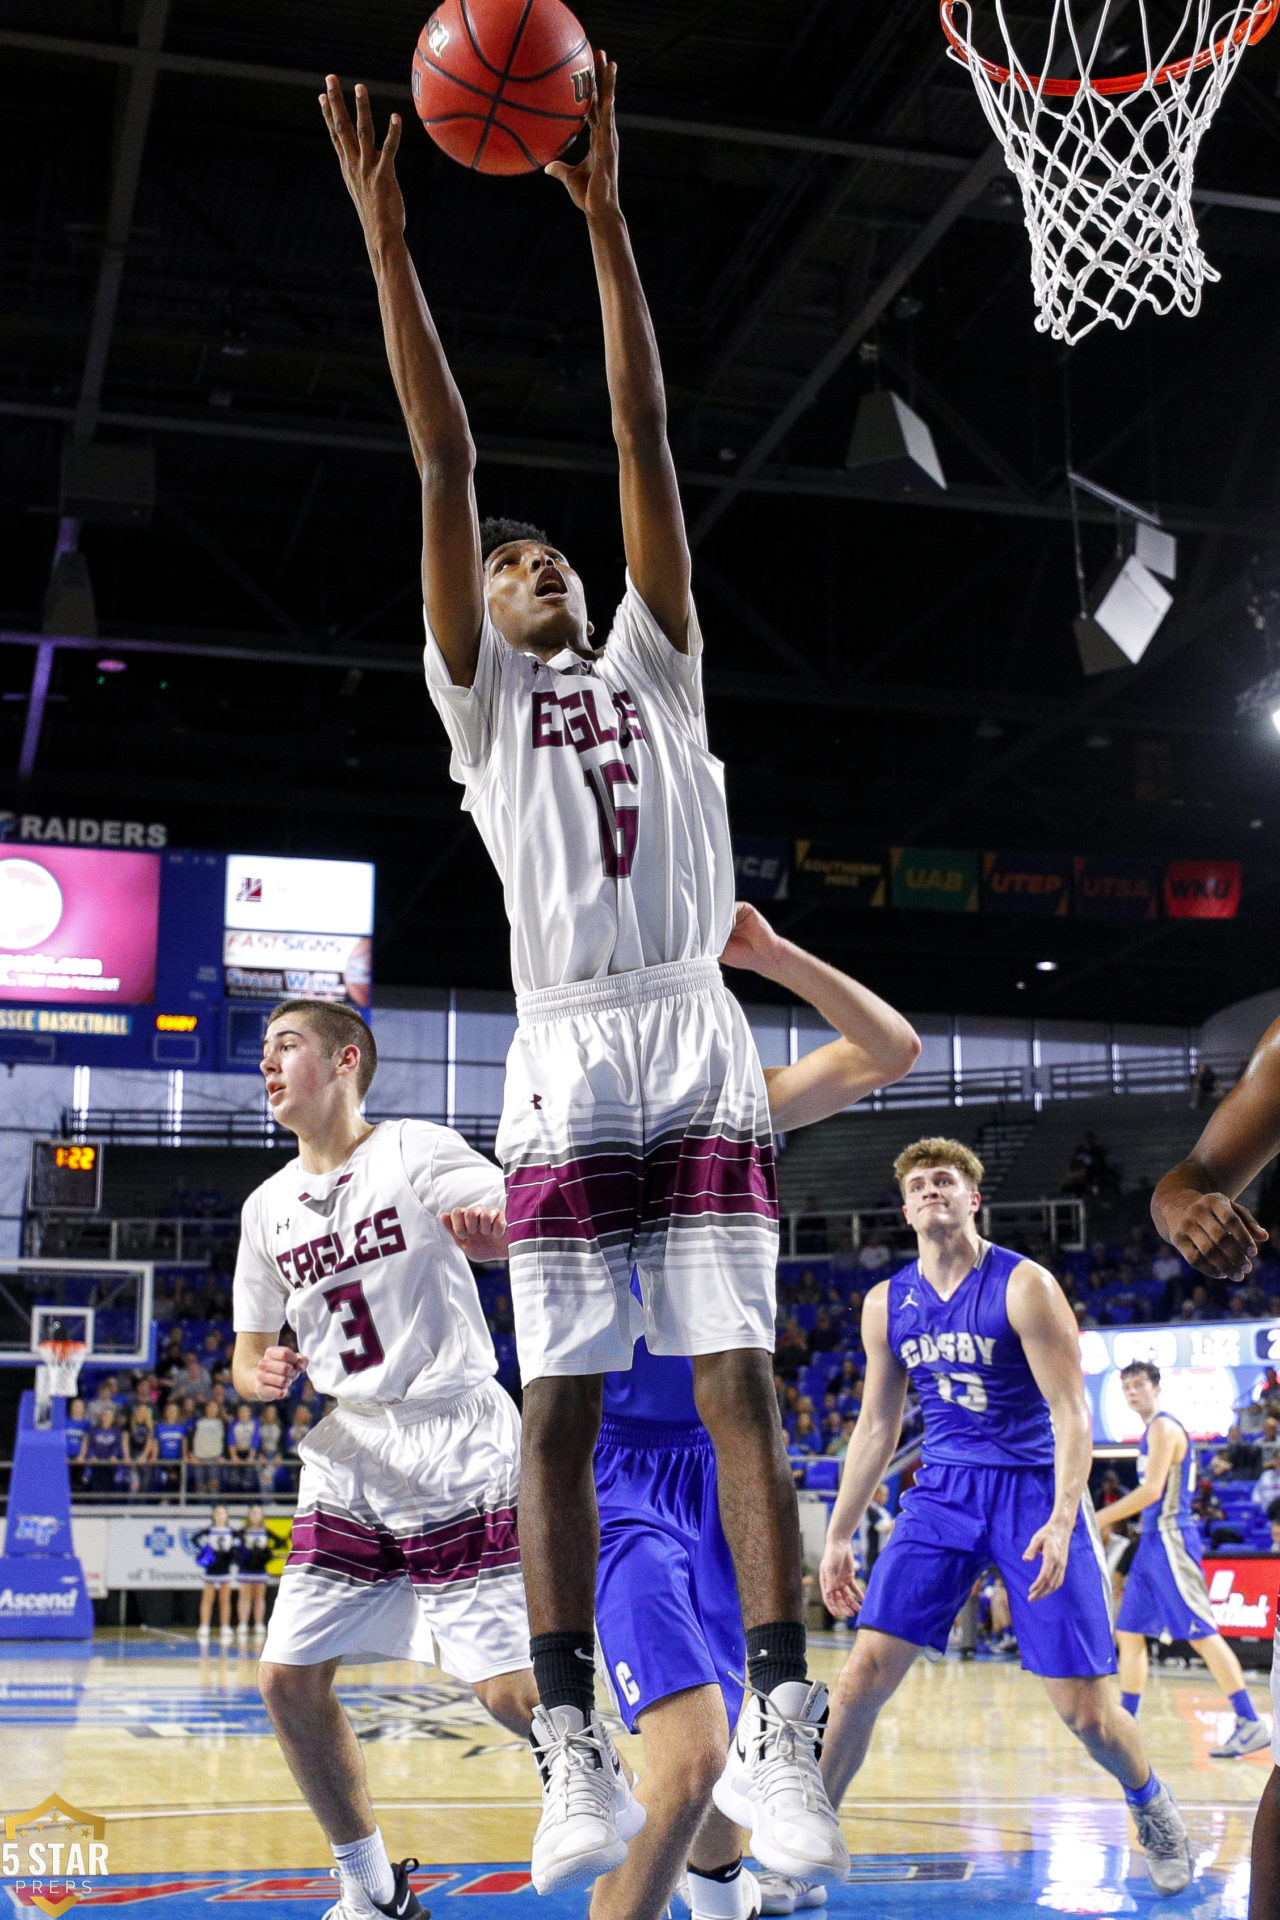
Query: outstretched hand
(369, 171)
(593, 184)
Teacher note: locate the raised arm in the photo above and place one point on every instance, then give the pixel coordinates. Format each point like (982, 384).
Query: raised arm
(875, 1436)
(452, 581)
(652, 521)
(1195, 1206)
(876, 1045)
(1039, 1315)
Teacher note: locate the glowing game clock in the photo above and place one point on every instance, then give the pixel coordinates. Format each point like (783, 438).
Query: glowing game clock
(66, 1176)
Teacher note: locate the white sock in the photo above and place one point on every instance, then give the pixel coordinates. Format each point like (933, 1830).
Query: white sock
(367, 1863)
(717, 1899)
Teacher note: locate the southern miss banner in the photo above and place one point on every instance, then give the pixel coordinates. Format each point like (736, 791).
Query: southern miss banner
(1117, 889)
(1202, 889)
(1038, 884)
(829, 870)
(943, 879)
(762, 867)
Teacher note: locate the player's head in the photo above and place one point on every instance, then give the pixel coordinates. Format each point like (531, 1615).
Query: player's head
(940, 1181)
(1140, 1384)
(219, 1516)
(316, 1059)
(534, 597)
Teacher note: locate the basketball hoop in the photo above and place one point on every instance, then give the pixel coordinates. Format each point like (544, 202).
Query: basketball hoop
(1105, 163)
(58, 1373)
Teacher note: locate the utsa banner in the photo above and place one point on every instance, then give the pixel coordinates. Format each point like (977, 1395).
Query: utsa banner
(1117, 888)
(1202, 889)
(943, 879)
(1038, 884)
(829, 870)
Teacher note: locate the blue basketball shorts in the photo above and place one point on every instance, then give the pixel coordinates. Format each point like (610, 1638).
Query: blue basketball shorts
(667, 1612)
(957, 1521)
(1164, 1590)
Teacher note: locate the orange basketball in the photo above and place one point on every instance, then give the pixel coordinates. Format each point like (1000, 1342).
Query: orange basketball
(503, 85)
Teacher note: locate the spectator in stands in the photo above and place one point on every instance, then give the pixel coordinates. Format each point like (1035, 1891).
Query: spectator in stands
(104, 1451)
(142, 1446)
(1266, 1489)
(807, 1288)
(195, 1377)
(1167, 1265)
(1084, 1319)
(873, 1255)
(806, 1438)
(299, 1428)
(840, 1446)
(1268, 1442)
(215, 1358)
(830, 1430)
(104, 1398)
(243, 1458)
(791, 1351)
(502, 1320)
(270, 1446)
(1237, 1459)
(1236, 1309)
(75, 1428)
(171, 1355)
(877, 1525)
(311, 1400)
(1250, 1415)
(208, 1449)
(824, 1338)
(171, 1449)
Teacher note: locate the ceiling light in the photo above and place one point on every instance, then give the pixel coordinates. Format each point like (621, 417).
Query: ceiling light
(111, 665)
(1046, 966)
(1275, 717)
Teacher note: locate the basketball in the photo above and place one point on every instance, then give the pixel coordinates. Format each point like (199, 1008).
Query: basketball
(502, 85)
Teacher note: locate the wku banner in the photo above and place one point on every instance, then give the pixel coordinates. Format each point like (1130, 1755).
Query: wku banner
(1117, 889)
(1038, 884)
(943, 879)
(831, 870)
(1202, 889)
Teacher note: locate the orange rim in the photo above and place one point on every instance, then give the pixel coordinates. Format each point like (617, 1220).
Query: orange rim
(1250, 28)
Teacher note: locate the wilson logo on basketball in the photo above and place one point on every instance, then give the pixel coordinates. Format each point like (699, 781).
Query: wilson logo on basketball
(50, 1854)
(583, 85)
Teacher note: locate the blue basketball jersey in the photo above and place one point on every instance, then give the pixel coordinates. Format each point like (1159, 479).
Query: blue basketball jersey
(658, 1388)
(1173, 1509)
(169, 1439)
(979, 1397)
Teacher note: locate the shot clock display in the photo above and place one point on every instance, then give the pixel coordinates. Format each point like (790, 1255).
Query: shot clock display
(66, 1176)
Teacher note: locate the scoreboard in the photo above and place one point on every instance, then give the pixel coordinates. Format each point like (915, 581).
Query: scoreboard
(1207, 1372)
(170, 958)
(66, 1176)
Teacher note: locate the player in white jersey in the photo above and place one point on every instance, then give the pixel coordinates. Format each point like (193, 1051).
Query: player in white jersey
(404, 1542)
(635, 1129)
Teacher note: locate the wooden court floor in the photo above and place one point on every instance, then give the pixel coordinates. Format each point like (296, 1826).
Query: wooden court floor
(974, 1796)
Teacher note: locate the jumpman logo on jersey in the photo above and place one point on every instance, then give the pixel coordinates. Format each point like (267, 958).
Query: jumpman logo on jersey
(910, 1298)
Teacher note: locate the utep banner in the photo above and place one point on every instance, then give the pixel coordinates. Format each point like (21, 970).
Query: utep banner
(762, 868)
(829, 870)
(1038, 884)
(1202, 889)
(943, 879)
(1117, 889)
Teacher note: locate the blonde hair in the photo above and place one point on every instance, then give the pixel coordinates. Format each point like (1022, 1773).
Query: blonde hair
(937, 1151)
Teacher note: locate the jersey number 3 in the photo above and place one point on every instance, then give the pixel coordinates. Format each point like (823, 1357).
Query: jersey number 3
(974, 1397)
(357, 1321)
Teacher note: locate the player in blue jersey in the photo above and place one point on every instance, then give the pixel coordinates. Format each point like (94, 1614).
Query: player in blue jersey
(1164, 1588)
(986, 1338)
(667, 1613)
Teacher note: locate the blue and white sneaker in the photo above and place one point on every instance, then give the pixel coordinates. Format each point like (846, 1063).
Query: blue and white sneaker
(1247, 1736)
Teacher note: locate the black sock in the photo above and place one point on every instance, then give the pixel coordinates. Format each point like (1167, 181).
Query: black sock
(776, 1653)
(725, 1875)
(564, 1666)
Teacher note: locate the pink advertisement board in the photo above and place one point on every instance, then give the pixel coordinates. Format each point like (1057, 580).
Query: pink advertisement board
(78, 928)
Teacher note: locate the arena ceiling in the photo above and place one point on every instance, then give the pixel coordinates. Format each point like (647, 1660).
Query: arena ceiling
(816, 210)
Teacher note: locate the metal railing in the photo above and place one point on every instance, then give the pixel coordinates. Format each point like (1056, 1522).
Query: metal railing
(177, 1241)
(175, 1483)
(1058, 1222)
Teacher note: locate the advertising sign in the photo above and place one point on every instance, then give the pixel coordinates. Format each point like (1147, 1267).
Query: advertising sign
(1206, 1373)
(943, 879)
(297, 927)
(1242, 1593)
(1117, 889)
(78, 929)
(829, 870)
(1202, 889)
(762, 867)
(1035, 884)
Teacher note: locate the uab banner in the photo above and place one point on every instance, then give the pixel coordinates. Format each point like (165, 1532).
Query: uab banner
(762, 868)
(1038, 884)
(827, 870)
(1117, 889)
(944, 879)
(1202, 889)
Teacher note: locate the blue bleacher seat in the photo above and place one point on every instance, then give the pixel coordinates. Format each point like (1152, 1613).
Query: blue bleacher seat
(823, 1475)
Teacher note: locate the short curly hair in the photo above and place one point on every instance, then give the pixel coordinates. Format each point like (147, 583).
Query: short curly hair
(1136, 1367)
(937, 1151)
(496, 532)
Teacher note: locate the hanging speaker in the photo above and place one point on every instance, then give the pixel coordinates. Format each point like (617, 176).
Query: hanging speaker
(894, 442)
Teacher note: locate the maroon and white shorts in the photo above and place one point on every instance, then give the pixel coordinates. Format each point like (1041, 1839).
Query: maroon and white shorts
(404, 1542)
(636, 1133)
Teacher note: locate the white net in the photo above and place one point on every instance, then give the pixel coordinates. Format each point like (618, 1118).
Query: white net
(58, 1373)
(1105, 164)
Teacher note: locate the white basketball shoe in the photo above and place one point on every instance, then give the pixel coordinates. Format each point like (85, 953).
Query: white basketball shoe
(588, 1810)
(782, 1893)
(1165, 1842)
(356, 1904)
(771, 1784)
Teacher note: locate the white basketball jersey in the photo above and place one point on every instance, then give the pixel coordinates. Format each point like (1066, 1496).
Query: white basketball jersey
(380, 1297)
(597, 798)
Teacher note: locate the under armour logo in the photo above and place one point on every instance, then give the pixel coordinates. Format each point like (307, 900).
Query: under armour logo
(282, 1226)
(537, 1101)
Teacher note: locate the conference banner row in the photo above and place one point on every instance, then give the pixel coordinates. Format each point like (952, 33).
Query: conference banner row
(1043, 886)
